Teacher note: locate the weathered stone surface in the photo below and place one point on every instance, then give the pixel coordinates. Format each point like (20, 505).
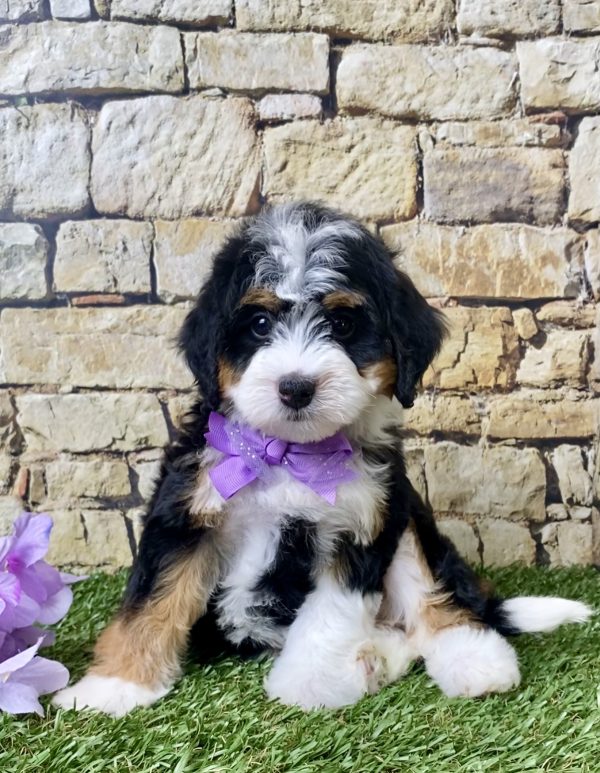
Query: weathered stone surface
(440, 413)
(559, 73)
(505, 543)
(526, 132)
(92, 478)
(10, 507)
(595, 535)
(561, 359)
(21, 10)
(557, 512)
(500, 481)
(494, 184)
(369, 19)
(111, 347)
(146, 470)
(581, 15)
(85, 539)
(580, 513)
(62, 132)
(23, 255)
(91, 422)
(196, 12)
(243, 61)
(567, 313)
(592, 261)
(179, 406)
(183, 254)
(9, 437)
(103, 256)
(37, 485)
(488, 261)
(5, 468)
(463, 536)
(584, 172)
(568, 543)
(340, 161)
(94, 58)
(543, 414)
(412, 81)
(574, 480)
(415, 468)
(525, 323)
(71, 9)
(285, 107)
(168, 158)
(502, 18)
(479, 352)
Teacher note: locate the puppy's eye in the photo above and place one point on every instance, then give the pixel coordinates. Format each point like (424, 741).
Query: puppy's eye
(260, 326)
(342, 324)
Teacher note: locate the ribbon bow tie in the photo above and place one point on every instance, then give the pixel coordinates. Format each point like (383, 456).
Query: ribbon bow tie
(249, 454)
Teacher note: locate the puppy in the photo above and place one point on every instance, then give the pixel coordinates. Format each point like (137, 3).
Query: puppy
(283, 519)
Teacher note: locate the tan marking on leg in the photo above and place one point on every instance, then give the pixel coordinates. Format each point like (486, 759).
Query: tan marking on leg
(227, 375)
(383, 373)
(260, 296)
(206, 505)
(343, 299)
(145, 645)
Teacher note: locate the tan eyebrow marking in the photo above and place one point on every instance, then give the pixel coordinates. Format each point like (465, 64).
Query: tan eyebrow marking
(342, 299)
(260, 296)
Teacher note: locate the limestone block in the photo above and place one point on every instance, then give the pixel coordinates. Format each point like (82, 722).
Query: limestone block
(243, 61)
(103, 256)
(584, 172)
(21, 10)
(494, 184)
(169, 158)
(488, 261)
(69, 479)
(524, 132)
(525, 323)
(71, 9)
(462, 536)
(86, 539)
(412, 81)
(433, 413)
(497, 481)
(5, 470)
(568, 543)
(9, 436)
(183, 255)
(91, 422)
(581, 15)
(592, 261)
(369, 19)
(94, 58)
(567, 313)
(574, 480)
(480, 352)
(340, 161)
(543, 414)
(199, 13)
(508, 18)
(415, 468)
(558, 73)
(23, 256)
(286, 107)
(561, 359)
(51, 142)
(505, 543)
(146, 470)
(107, 346)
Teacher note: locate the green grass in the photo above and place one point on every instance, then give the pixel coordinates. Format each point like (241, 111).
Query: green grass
(218, 719)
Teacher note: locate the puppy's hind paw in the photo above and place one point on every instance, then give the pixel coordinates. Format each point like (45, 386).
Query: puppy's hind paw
(108, 694)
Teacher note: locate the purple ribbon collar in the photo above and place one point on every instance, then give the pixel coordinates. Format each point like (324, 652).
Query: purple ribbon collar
(249, 454)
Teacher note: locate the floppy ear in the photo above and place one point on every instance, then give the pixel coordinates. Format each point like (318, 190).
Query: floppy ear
(202, 337)
(416, 331)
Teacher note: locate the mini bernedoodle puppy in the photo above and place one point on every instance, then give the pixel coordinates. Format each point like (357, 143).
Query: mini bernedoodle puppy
(283, 519)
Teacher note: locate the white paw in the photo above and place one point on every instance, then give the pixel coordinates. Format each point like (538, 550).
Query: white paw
(469, 662)
(108, 694)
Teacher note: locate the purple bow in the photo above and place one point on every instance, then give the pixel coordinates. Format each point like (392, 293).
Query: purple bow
(322, 466)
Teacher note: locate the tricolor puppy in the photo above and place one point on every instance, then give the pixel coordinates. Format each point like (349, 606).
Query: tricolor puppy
(283, 519)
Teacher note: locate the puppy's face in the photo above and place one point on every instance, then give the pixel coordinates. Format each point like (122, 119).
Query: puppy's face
(301, 325)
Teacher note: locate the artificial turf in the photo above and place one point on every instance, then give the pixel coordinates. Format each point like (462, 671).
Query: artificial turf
(218, 719)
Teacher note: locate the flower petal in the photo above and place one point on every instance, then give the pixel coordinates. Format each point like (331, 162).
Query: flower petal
(69, 579)
(32, 536)
(26, 612)
(19, 699)
(5, 546)
(43, 675)
(18, 661)
(56, 607)
(10, 589)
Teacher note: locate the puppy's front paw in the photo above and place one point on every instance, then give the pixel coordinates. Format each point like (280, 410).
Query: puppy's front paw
(109, 694)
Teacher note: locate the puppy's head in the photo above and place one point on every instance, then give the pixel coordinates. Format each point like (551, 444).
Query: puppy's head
(304, 321)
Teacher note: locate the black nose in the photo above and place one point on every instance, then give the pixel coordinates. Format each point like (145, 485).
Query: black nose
(296, 391)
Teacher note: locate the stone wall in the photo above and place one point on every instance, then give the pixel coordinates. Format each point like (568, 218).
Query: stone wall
(133, 133)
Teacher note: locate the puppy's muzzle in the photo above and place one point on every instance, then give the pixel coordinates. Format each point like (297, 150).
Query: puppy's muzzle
(295, 391)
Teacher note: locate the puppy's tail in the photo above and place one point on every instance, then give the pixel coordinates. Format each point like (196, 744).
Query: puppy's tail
(536, 614)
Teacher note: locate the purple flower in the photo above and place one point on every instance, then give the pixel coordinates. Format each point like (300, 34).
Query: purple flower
(31, 591)
(24, 677)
